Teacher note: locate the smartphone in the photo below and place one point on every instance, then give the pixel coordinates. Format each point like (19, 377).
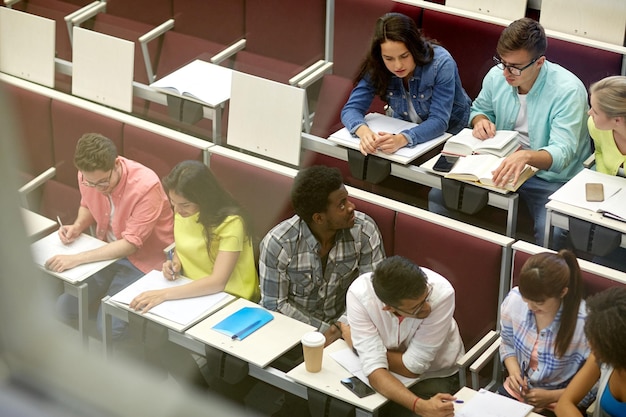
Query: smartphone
(445, 163)
(594, 191)
(360, 388)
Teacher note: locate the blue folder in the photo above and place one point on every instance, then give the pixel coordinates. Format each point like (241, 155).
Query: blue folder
(244, 322)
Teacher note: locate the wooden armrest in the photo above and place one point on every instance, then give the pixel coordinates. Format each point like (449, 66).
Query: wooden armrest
(473, 353)
(483, 360)
(35, 183)
(590, 161)
(228, 52)
(9, 3)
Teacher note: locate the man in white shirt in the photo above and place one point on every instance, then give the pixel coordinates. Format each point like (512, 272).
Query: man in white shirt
(401, 319)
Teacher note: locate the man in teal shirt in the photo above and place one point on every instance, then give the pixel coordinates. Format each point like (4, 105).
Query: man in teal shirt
(542, 101)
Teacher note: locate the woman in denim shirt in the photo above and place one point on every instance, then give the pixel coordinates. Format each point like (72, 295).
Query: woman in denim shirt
(416, 78)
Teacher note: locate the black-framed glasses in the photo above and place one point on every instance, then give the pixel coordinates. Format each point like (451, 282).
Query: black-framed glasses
(512, 69)
(419, 308)
(100, 184)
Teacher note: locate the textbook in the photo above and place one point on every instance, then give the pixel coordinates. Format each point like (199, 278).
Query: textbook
(479, 168)
(199, 80)
(464, 143)
(243, 322)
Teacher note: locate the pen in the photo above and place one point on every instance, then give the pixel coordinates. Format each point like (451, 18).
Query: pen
(61, 226)
(170, 257)
(521, 387)
(245, 330)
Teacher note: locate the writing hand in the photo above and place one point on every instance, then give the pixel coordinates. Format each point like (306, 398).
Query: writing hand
(440, 405)
(484, 129)
(367, 143)
(171, 269)
(389, 143)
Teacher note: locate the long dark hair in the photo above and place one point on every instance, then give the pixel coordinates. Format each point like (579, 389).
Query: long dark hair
(546, 275)
(399, 28)
(195, 182)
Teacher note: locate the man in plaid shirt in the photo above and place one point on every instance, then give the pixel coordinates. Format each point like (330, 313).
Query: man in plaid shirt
(308, 262)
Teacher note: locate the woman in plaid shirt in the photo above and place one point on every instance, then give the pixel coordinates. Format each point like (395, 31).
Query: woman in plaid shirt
(542, 321)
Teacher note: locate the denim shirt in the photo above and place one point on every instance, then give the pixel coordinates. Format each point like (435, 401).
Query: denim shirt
(557, 116)
(436, 93)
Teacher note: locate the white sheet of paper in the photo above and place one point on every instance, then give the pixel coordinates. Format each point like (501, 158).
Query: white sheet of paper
(182, 311)
(490, 404)
(51, 245)
(351, 362)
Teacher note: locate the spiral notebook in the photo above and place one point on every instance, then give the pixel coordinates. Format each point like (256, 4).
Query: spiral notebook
(244, 322)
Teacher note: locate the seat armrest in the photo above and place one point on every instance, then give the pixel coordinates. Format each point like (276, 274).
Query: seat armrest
(473, 353)
(9, 3)
(482, 361)
(169, 248)
(149, 36)
(228, 52)
(36, 182)
(82, 14)
(590, 161)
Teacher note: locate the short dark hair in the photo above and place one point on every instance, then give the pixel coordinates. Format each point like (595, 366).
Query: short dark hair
(396, 279)
(526, 34)
(311, 188)
(94, 152)
(605, 326)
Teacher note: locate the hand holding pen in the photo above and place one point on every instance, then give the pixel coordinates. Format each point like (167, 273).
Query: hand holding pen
(65, 233)
(170, 268)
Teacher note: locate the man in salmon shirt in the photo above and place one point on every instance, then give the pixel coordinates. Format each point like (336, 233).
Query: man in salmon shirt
(129, 209)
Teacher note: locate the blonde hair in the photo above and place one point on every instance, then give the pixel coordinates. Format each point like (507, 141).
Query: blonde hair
(610, 93)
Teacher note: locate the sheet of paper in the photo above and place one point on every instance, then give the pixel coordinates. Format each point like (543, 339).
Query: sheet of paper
(490, 404)
(573, 192)
(51, 245)
(182, 311)
(351, 363)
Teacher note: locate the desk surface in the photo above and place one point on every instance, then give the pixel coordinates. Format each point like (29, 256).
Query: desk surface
(260, 348)
(199, 81)
(36, 224)
(328, 380)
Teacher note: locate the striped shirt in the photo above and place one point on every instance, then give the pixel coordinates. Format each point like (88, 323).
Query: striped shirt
(290, 268)
(519, 336)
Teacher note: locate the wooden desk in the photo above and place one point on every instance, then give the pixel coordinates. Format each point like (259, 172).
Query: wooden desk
(73, 279)
(260, 348)
(328, 381)
(500, 198)
(467, 393)
(36, 225)
(201, 82)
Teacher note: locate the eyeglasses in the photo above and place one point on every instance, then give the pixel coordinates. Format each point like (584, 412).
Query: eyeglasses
(512, 69)
(100, 184)
(419, 307)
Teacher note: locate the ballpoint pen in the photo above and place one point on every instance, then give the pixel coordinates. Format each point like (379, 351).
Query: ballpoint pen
(170, 257)
(61, 226)
(245, 330)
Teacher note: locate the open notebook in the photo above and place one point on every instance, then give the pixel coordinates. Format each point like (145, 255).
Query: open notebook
(490, 404)
(185, 312)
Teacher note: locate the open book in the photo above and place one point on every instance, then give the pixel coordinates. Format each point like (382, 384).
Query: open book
(198, 80)
(464, 143)
(479, 168)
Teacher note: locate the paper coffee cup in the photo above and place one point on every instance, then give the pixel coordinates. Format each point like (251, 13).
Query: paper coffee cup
(313, 350)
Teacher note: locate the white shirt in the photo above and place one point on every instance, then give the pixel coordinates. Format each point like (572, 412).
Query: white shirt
(431, 346)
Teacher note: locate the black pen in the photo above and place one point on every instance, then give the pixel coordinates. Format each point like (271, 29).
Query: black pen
(244, 331)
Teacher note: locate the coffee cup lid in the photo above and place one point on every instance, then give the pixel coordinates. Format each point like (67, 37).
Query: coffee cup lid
(313, 339)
